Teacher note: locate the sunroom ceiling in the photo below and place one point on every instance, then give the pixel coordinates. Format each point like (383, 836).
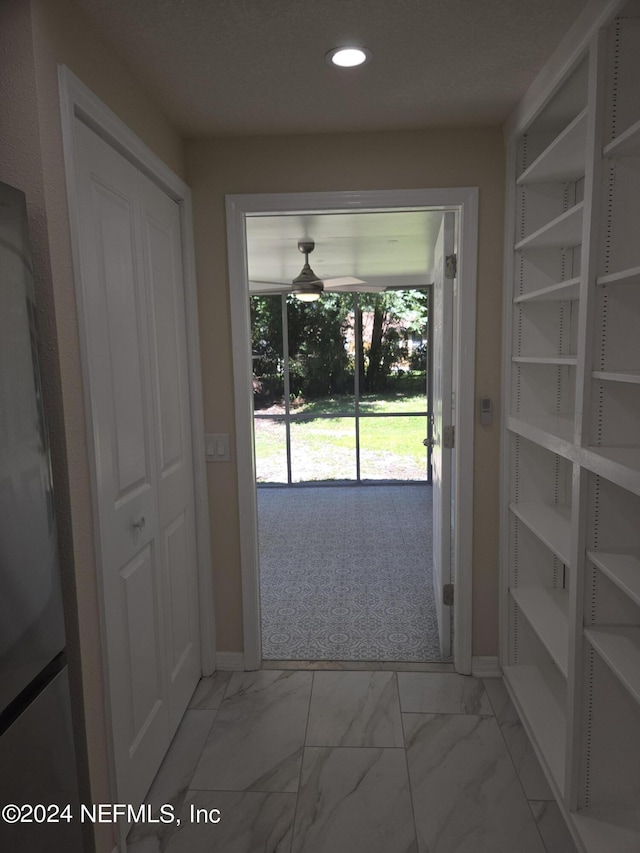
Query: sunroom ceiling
(382, 248)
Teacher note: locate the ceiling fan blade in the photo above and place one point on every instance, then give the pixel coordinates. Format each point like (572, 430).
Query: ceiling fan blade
(406, 287)
(356, 288)
(256, 288)
(345, 281)
(350, 284)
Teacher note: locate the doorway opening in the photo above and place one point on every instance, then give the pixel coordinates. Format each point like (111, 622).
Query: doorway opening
(341, 397)
(285, 221)
(342, 388)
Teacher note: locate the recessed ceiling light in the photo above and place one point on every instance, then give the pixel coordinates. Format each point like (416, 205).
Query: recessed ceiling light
(348, 57)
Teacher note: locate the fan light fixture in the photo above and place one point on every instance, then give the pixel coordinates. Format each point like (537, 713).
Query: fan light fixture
(348, 57)
(307, 287)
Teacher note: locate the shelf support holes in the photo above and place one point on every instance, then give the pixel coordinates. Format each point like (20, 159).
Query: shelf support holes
(589, 728)
(615, 87)
(596, 513)
(608, 236)
(600, 417)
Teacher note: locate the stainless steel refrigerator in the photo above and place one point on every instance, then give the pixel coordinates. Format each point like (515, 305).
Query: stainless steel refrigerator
(37, 762)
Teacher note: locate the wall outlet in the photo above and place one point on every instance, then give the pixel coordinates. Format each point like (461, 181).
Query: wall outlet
(217, 447)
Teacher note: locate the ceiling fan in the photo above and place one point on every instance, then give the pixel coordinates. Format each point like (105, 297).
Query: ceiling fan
(308, 287)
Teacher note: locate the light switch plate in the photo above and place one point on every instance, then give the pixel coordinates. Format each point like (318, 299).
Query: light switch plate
(217, 447)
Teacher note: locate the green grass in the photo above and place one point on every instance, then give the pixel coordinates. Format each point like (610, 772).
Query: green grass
(387, 401)
(324, 448)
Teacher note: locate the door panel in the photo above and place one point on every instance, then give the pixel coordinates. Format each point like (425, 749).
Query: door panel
(144, 667)
(162, 268)
(442, 404)
(177, 557)
(133, 312)
(174, 472)
(115, 243)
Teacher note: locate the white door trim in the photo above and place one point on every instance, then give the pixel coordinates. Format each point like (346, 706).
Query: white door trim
(463, 199)
(77, 101)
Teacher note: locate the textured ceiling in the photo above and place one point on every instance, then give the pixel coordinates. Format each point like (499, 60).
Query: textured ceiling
(233, 67)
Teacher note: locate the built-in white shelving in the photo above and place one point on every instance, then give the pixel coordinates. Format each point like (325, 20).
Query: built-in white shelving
(562, 291)
(628, 276)
(545, 359)
(625, 145)
(612, 829)
(622, 569)
(546, 611)
(620, 465)
(619, 647)
(545, 430)
(565, 231)
(626, 457)
(630, 376)
(563, 159)
(542, 714)
(570, 591)
(551, 523)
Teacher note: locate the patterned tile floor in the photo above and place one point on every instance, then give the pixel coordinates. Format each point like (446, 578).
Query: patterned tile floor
(352, 762)
(346, 573)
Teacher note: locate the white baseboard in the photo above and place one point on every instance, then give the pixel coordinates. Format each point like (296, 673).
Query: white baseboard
(232, 661)
(486, 667)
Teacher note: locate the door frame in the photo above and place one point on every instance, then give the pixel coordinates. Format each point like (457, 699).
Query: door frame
(78, 102)
(464, 200)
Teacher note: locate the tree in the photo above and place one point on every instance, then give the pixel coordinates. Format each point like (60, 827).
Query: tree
(319, 361)
(266, 348)
(394, 315)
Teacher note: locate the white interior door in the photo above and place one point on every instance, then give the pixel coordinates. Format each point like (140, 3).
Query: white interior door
(442, 408)
(173, 461)
(134, 331)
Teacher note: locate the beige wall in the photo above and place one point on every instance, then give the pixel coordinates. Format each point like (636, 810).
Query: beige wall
(441, 158)
(34, 37)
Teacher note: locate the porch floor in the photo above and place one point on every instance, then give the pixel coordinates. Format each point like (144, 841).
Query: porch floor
(346, 573)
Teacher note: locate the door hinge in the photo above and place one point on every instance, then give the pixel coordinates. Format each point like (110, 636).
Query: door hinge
(451, 266)
(447, 595)
(449, 437)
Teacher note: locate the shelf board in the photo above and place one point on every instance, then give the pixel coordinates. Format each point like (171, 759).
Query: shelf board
(630, 376)
(625, 145)
(555, 432)
(563, 232)
(551, 523)
(629, 276)
(545, 359)
(620, 465)
(546, 610)
(619, 648)
(564, 158)
(562, 291)
(541, 713)
(622, 569)
(608, 829)
(628, 457)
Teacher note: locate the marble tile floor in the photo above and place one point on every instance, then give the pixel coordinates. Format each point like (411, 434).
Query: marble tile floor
(357, 585)
(353, 762)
